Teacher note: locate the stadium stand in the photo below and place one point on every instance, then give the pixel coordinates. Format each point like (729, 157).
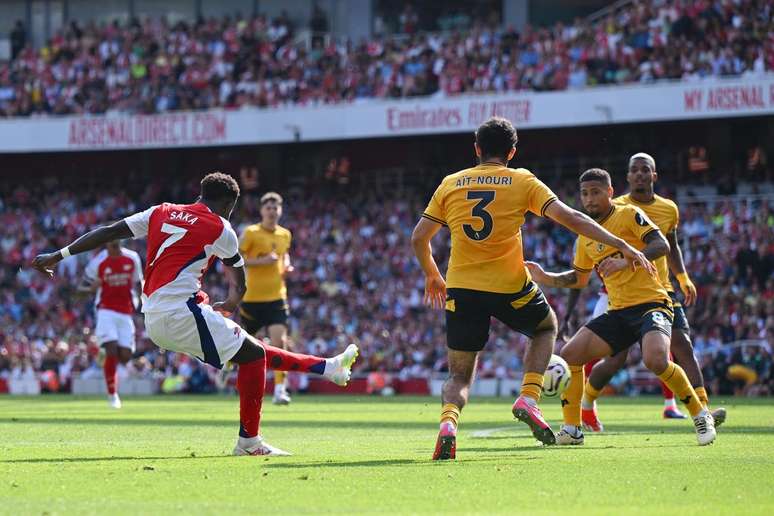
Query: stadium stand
(354, 279)
(152, 66)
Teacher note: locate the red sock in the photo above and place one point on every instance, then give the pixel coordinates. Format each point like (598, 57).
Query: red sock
(668, 395)
(281, 360)
(589, 366)
(109, 368)
(251, 382)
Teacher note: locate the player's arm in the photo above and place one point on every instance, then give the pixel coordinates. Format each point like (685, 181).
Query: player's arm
(572, 301)
(91, 240)
(656, 247)
(435, 286)
(677, 266)
(287, 265)
(575, 279)
(264, 259)
(584, 225)
(226, 247)
(237, 285)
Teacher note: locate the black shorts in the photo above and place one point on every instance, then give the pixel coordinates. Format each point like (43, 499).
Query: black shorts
(680, 321)
(256, 316)
(625, 327)
(468, 313)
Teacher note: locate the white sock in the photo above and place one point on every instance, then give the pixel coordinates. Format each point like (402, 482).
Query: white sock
(670, 403)
(331, 364)
(586, 405)
(247, 442)
(279, 389)
(571, 429)
(530, 400)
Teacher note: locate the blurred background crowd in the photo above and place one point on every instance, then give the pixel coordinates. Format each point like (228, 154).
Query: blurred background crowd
(355, 279)
(152, 65)
(352, 205)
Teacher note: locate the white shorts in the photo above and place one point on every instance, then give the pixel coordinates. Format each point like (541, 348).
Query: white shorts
(196, 330)
(115, 327)
(601, 306)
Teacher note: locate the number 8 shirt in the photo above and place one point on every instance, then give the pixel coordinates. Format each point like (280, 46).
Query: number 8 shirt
(484, 208)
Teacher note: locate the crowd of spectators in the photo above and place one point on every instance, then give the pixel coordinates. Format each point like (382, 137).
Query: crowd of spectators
(355, 279)
(152, 66)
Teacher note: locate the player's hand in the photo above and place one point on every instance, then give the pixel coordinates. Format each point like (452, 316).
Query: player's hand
(44, 263)
(270, 258)
(225, 307)
(537, 272)
(435, 292)
(289, 269)
(689, 290)
(636, 258)
(611, 266)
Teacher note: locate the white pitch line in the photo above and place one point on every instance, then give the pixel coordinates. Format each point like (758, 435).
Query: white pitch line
(488, 432)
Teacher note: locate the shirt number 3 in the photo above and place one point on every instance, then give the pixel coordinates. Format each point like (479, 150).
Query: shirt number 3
(484, 197)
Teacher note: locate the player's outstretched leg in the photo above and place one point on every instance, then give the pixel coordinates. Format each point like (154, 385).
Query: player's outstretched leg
(337, 369)
(596, 380)
(655, 355)
(251, 383)
(525, 408)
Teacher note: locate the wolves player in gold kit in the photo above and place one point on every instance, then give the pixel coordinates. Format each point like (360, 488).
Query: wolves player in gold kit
(665, 214)
(266, 249)
(484, 208)
(639, 307)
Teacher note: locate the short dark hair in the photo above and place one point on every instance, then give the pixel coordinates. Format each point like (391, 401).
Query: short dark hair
(496, 137)
(271, 197)
(596, 174)
(218, 186)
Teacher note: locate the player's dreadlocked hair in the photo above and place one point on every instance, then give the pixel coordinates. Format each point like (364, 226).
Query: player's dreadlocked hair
(496, 137)
(596, 174)
(217, 186)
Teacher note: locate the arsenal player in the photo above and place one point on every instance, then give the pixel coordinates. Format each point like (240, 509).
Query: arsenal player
(116, 275)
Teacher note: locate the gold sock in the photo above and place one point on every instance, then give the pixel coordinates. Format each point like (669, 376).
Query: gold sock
(571, 398)
(590, 394)
(532, 385)
(701, 392)
(450, 412)
(677, 381)
(279, 377)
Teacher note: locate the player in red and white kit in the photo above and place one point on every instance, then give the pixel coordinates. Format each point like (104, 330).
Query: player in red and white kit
(184, 240)
(115, 272)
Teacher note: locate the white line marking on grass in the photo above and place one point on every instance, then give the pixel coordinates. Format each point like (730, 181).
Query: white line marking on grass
(487, 432)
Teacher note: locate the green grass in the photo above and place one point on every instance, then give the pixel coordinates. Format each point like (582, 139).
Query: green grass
(354, 455)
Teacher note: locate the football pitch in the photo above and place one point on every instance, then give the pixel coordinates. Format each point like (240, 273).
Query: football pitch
(159, 455)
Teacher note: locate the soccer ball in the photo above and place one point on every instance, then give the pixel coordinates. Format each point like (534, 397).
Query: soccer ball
(557, 377)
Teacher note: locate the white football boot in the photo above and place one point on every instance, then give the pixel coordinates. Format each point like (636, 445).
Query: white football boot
(570, 435)
(705, 428)
(114, 401)
(338, 369)
(257, 446)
